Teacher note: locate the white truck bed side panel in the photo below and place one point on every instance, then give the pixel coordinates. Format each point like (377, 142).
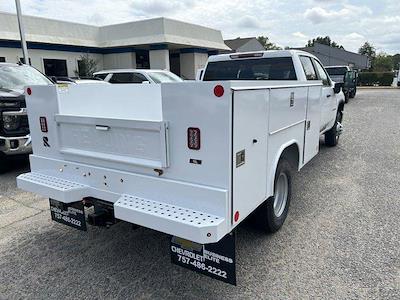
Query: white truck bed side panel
(43, 102)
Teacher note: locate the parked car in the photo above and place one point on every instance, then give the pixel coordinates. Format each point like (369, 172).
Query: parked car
(137, 76)
(347, 76)
(14, 130)
(79, 80)
(396, 79)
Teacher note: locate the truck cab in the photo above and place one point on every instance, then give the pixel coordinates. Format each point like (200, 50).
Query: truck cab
(347, 76)
(14, 128)
(285, 66)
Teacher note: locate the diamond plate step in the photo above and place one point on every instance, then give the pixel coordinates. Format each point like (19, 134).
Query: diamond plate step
(53, 187)
(183, 222)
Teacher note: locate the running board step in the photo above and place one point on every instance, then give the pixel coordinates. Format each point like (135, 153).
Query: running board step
(179, 221)
(53, 187)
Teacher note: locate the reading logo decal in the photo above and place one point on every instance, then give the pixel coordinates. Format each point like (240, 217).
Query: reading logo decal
(46, 141)
(216, 260)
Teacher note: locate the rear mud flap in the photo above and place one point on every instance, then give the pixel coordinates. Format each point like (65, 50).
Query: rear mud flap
(70, 214)
(217, 260)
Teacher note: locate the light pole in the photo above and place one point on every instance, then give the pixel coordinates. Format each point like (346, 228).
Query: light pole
(22, 32)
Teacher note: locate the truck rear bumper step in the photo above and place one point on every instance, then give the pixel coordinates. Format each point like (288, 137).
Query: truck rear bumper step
(190, 224)
(53, 187)
(186, 223)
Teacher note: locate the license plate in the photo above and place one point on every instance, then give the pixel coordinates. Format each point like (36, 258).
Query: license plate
(214, 260)
(70, 214)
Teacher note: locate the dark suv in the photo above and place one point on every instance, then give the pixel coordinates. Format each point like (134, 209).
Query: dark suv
(14, 129)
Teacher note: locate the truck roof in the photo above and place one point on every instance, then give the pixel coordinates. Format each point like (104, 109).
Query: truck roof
(129, 71)
(258, 54)
(333, 67)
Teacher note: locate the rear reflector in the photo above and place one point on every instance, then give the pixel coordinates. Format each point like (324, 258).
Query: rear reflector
(43, 124)
(29, 91)
(193, 137)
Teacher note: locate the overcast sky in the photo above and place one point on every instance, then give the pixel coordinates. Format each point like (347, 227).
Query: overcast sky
(287, 23)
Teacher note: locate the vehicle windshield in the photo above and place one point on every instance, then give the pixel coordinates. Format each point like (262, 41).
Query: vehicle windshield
(336, 71)
(276, 68)
(17, 77)
(159, 77)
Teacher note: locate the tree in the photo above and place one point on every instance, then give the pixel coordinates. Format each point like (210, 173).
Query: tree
(324, 41)
(396, 61)
(267, 44)
(367, 49)
(86, 66)
(382, 63)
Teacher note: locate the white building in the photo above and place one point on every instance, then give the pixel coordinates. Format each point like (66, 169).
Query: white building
(55, 47)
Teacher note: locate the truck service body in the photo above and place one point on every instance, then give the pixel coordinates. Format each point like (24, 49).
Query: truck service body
(190, 159)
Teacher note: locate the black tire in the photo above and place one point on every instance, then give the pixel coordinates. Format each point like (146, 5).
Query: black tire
(352, 94)
(3, 163)
(265, 217)
(332, 135)
(346, 97)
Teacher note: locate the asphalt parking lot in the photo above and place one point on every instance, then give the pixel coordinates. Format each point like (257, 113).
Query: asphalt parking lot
(340, 241)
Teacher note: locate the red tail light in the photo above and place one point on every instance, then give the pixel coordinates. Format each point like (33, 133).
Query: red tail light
(43, 124)
(193, 137)
(29, 91)
(219, 90)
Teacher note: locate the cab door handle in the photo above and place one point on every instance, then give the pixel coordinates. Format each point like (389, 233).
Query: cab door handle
(327, 96)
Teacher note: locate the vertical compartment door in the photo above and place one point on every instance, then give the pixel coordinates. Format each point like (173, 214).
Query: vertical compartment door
(249, 161)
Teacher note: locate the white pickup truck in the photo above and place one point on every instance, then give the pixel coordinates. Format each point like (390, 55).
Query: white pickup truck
(190, 159)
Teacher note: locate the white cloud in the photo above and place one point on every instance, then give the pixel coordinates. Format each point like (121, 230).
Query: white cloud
(249, 22)
(319, 15)
(300, 35)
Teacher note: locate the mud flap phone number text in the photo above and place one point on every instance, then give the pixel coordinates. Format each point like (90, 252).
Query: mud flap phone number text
(67, 219)
(202, 266)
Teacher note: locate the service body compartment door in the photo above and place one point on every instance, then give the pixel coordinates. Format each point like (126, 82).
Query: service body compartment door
(116, 141)
(250, 131)
(312, 125)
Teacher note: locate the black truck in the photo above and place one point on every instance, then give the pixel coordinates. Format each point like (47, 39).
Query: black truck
(347, 76)
(14, 129)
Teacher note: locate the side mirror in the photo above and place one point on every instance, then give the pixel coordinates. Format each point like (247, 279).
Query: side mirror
(337, 87)
(54, 79)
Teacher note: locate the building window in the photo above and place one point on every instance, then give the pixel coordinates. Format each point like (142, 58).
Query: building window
(55, 67)
(22, 60)
(142, 59)
(2, 59)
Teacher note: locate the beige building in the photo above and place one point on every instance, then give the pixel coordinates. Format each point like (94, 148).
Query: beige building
(55, 47)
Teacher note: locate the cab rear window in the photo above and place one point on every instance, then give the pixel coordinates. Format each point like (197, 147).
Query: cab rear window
(336, 71)
(277, 68)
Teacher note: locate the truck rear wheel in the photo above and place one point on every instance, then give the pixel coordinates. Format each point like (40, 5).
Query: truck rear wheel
(271, 215)
(333, 134)
(3, 163)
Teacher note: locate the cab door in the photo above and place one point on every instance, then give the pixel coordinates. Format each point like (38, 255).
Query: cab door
(310, 70)
(328, 98)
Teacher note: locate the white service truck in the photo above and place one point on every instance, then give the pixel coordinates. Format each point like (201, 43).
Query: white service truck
(190, 159)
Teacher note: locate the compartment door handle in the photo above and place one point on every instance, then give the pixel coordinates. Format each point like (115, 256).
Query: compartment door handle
(102, 128)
